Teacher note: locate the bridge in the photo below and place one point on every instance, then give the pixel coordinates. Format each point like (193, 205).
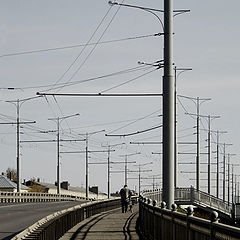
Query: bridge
(167, 213)
(49, 216)
(200, 199)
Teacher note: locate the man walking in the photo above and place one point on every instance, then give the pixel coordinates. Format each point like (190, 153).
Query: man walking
(125, 194)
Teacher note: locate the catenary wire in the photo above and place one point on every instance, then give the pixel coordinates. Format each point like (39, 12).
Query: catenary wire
(76, 46)
(131, 80)
(94, 47)
(74, 61)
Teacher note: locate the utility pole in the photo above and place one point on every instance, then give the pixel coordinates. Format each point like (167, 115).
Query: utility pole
(235, 192)
(109, 151)
(217, 152)
(209, 154)
(18, 123)
(88, 163)
(224, 168)
(18, 151)
(18, 105)
(168, 107)
(198, 147)
(108, 181)
(87, 178)
(238, 194)
(182, 70)
(139, 173)
(57, 120)
(218, 164)
(154, 177)
(125, 170)
(126, 165)
(209, 149)
(232, 186)
(86, 158)
(197, 101)
(58, 158)
(229, 179)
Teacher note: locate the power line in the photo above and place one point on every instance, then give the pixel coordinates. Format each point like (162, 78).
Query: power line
(134, 133)
(70, 66)
(94, 47)
(137, 120)
(128, 81)
(78, 45)
(65, 84)
(110, 123)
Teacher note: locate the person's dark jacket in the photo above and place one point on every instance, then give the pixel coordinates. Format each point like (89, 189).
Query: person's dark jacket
(124, 193)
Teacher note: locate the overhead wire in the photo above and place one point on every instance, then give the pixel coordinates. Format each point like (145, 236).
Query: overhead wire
(134, 133)
(75, 60)
(147, 138)
(128, 81)
(94, 47)
(49, 105)
(66, 84)
(66, 121)
(181, 104)
(125, 71)
(76, 45)
(137, 120)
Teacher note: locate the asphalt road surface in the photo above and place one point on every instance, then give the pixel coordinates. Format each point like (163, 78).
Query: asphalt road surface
(15, 217)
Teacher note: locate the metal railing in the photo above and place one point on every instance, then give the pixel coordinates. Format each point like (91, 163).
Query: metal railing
(56, 225)
(159, 223)
(191, 196)
(6, 197)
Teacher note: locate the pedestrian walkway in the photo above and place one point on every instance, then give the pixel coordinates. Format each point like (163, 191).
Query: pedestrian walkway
(111, 225)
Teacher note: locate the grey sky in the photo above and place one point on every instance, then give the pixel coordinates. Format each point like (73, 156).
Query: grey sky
(206, 39)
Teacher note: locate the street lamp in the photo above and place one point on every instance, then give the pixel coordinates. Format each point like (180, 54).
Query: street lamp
(87, 151)
(176, 75)
(18, 103)
(139, 174)
(168, 97)
(109, 150)
(58, 120)
(197, 101)
(126, 164)
(150, 10)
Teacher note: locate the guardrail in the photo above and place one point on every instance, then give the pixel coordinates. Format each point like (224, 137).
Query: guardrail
(56, 225)
(159, 223)
(191, 196)
(6, 197)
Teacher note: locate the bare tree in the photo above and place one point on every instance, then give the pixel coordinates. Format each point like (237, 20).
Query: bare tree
(11, 174)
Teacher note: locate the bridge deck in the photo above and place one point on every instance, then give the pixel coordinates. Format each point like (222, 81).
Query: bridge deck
(113, 225)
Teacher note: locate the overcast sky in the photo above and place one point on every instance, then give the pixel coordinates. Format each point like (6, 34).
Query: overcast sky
(206, 40)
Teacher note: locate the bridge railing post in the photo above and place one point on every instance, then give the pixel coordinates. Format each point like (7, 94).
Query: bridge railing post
(154, 220)
(189, 214)
(214, 219)
(173, 232)
(163, 206)
(149, 219)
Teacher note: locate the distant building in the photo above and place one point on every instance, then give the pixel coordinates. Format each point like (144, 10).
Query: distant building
(6, 185)
(67, 189)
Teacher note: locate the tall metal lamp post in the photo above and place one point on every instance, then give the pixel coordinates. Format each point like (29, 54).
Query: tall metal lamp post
(58, 121)
(168, 97)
